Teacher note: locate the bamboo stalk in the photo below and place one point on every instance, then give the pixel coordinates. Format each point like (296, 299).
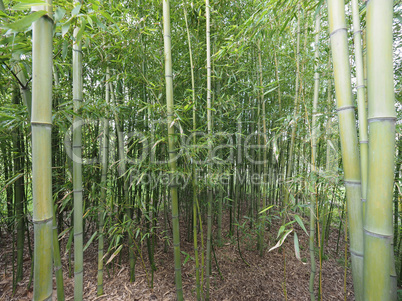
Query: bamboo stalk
(361, 99)
(57, 260)
(102, 202)
(378, 228)
(209, 122)
(263, 204)
(314, 158)
(77, 168)
(41, 122)
(194, 178)
(172, 149)
(348, 137)
(289, 167)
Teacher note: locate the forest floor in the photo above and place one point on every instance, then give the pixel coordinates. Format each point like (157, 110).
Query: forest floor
(263, 278)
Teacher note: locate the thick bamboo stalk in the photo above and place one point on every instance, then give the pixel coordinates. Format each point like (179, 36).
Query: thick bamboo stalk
(172, 149)
(348, 136)
(77, 168)
(378, 228)
(41, 122)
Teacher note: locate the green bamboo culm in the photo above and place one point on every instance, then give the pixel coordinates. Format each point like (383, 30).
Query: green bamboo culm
(361, 99)
(41, 122)
(102, 202)
(209, 121)
(348, 137)
(378, 228)
(263, 202)
(57, 260)
(314, 156)
(289, 167)
(194, 177)
(172, 150)
(77, 167)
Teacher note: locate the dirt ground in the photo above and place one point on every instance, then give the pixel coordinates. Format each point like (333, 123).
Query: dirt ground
(262, 278)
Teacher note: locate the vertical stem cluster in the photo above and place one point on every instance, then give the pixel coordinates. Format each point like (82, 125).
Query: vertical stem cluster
(41, 122)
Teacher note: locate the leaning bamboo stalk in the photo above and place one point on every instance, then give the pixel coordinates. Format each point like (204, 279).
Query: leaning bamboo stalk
(172, 151)
(348, 137)
(378, 228)
(41, 122)
(77, 168)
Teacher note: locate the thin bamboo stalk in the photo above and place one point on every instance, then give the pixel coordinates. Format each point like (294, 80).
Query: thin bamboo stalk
(209, 122)
(289, 167)
(172, 149)
(348, 137)
(264, 134)
(194, 177)
(102, 201)
(314, 157)
(361, 99)
(41, 122)
(57, 260)
(378, 228)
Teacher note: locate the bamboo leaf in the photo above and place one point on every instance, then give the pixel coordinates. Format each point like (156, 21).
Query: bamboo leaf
(12, 181)
(280, 242)
(91, 239)
(281, 229)
(59, 14)
(65, 27)
(115, 253)
(76, 10)
(24, 23)
(27, 4)
(266, 209)
(297, 248)
(70, 240)
(300, 222)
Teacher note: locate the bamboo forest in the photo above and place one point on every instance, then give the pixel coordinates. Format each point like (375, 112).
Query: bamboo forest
(200, 150)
